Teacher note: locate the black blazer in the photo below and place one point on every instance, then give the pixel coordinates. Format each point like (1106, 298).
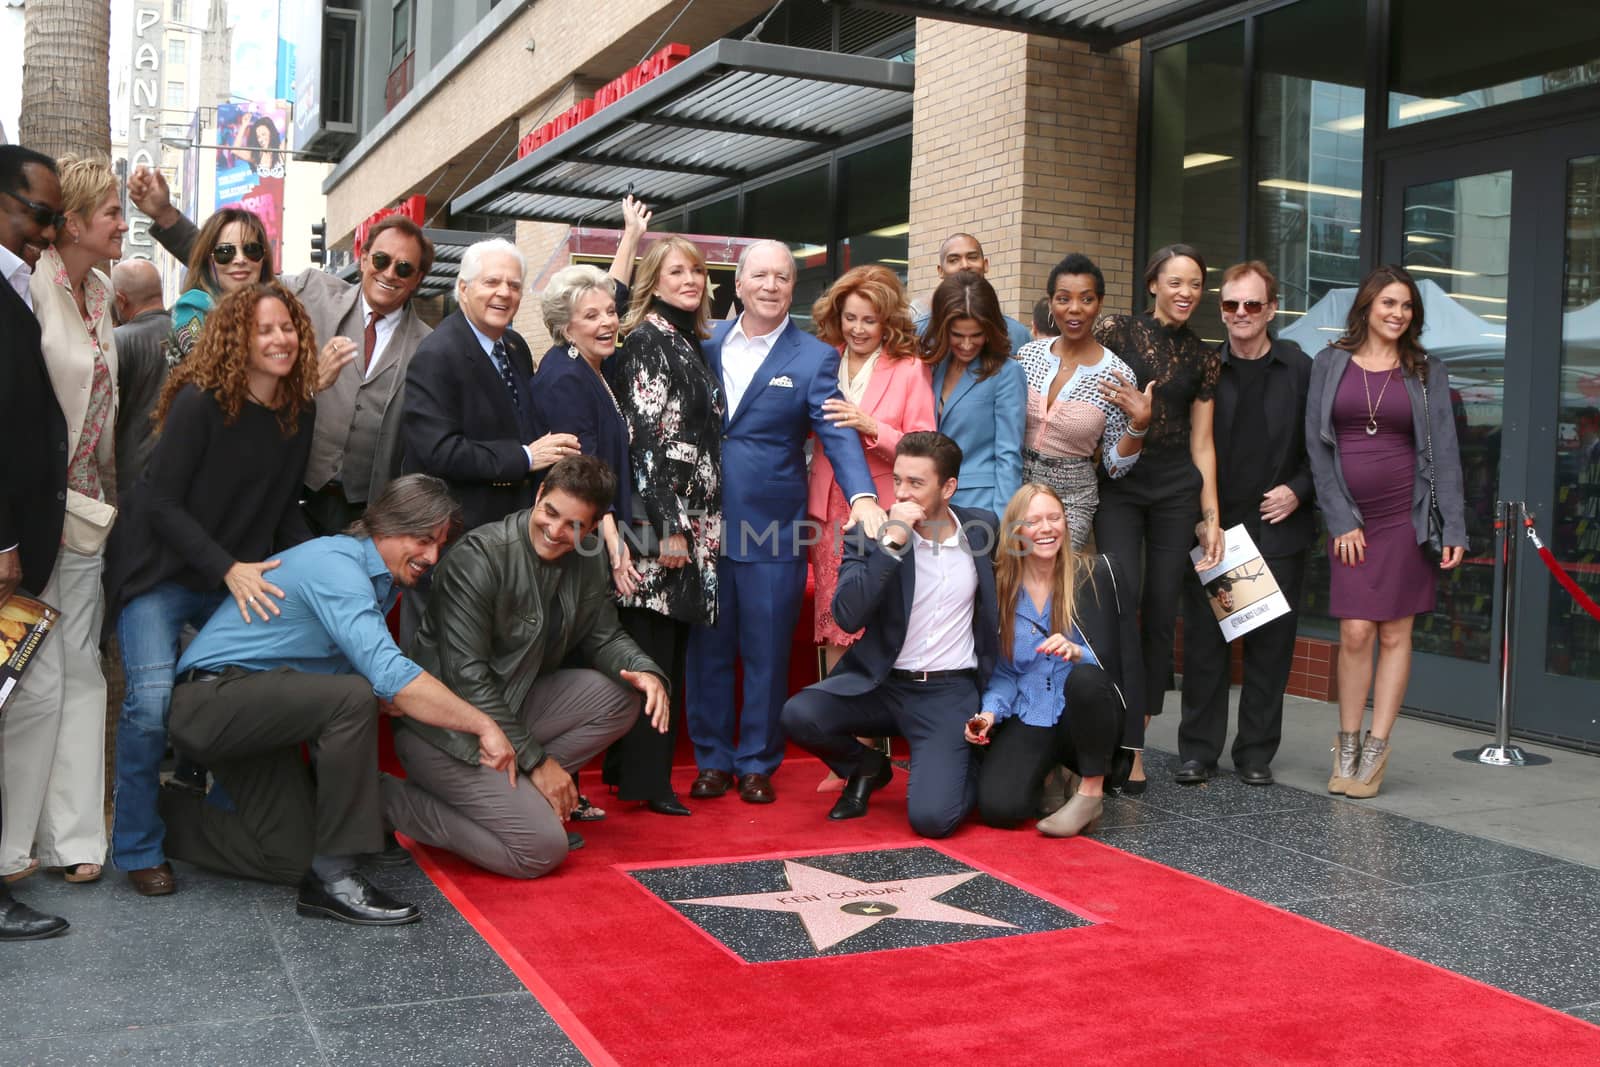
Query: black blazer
(459, 423)
(875, 591)
(569, 397)
(1109, 623)
(33, 457)
(1283, 437)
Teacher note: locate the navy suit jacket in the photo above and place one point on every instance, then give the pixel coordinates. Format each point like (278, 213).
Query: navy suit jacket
(459, 423)
(875, 592)
(33, 462)
(763, 446)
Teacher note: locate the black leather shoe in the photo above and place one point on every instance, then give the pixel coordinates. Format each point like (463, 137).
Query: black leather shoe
(852, 803)
(353, 899)
(575, 841)
(1259, 774)
(756, 789)
(394, 854)
(18, 922)
(709, 784)
(1193, 772)
(668, 805)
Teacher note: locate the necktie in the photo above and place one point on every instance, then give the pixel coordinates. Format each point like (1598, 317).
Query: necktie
(369, 340)
(502, 361)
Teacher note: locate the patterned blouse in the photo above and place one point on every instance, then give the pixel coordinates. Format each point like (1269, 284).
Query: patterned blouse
(1081, 419)
(83, 472)
(1182, 366)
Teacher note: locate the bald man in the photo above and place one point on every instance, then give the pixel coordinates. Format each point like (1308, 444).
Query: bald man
(961, 251)
(141, 334)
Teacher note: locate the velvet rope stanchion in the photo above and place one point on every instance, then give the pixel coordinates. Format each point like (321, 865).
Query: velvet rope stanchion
(1558, 572)
(1508, 515)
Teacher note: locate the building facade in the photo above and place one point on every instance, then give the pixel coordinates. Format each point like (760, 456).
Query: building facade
(1323, 136)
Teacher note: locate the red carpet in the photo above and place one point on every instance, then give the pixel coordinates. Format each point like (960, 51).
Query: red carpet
(1174, 967)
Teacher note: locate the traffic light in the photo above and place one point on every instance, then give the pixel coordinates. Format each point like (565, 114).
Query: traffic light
(319, 243)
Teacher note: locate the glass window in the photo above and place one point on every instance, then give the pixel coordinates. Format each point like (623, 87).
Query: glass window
(720, 217)
(787, 210)
(1508, 55)
(1306, 206)
(875, 202)
(400, 32)
(178, 11)
(174, 96)
(1196, 155)
(1573, 644)
(177, 51)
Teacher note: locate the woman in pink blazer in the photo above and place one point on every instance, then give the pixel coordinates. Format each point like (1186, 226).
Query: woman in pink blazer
(885, 393)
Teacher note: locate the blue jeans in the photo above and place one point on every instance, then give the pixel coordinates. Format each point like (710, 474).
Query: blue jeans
(148, 630)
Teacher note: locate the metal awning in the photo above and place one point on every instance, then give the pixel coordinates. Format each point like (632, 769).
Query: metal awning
(1102, 24)
(448, 248)
(735, 111)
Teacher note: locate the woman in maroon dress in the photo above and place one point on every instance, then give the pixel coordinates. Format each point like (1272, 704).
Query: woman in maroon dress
(1378, 406)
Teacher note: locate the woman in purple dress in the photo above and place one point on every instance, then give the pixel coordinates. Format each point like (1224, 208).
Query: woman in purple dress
(1382, 443)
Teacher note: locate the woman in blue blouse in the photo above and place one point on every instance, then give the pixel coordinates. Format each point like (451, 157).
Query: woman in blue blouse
(980, 394)
(1068, 674)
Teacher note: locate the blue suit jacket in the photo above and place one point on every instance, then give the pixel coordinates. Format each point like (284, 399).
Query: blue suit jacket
(987, 420)
(763, 446)
(876, 590)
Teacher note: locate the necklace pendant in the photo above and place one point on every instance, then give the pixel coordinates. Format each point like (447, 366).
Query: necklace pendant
(1372, 428)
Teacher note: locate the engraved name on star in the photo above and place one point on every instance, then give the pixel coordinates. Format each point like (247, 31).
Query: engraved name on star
(833, 907)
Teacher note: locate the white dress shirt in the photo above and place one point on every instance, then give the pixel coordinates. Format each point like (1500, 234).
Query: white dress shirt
(939, 632)
(17, 274)
(384, 330)
(742, 356)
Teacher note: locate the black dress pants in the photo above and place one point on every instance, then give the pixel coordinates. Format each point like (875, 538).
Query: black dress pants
(1268, 658)
(1146, 522)
(1084, 739)
(640, 763)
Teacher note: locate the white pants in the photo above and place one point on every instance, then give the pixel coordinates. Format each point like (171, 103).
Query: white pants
(53, 729)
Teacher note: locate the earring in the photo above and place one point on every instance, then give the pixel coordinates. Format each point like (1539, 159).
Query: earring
(572, 351)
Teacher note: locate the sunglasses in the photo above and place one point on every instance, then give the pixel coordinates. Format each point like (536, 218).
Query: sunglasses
(402, 269)
(224, 253)
(1251, 307)
(43, 215)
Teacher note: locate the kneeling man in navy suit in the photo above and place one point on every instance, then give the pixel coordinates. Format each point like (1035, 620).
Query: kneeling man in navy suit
(924, 592)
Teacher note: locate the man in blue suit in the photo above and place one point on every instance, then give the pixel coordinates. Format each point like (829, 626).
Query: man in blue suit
(925, 594)
(775, 378)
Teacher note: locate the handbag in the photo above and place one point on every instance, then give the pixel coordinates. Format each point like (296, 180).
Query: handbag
(1434, 546)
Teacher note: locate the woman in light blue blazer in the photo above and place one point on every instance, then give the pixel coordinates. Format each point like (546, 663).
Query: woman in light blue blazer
(980, 394)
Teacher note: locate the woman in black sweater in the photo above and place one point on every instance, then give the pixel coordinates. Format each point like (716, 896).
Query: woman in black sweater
(219, 495)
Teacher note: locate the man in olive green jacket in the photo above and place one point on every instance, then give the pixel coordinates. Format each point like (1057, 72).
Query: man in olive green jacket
(510, 603)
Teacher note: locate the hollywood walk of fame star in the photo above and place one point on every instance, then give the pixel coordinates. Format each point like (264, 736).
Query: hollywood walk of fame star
(834, 907)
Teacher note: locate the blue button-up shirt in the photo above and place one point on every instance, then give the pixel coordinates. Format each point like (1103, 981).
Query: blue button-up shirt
(337, 592)
(1030, 685)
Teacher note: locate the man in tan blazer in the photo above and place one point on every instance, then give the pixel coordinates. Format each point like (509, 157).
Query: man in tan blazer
(367, 333)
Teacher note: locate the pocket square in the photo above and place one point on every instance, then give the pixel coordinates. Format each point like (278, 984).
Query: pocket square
(782, 381)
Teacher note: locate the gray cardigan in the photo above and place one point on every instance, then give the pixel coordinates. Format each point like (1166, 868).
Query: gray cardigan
(1338, 509)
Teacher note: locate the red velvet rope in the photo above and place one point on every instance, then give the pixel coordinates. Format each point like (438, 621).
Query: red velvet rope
(1560, 573)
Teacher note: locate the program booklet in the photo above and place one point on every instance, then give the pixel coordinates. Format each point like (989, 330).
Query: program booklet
(24, 624)
(1243, 593)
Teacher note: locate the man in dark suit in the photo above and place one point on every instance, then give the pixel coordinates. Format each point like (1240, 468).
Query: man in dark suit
(1265, 485)
(776, 378)
(924, 592)
(33, 461)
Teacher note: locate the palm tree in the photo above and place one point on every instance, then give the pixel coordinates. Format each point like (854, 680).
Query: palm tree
(66, 98)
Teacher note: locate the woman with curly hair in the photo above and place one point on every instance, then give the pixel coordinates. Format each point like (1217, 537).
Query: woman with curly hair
(231, 253)
(219, 496)
(865, 314)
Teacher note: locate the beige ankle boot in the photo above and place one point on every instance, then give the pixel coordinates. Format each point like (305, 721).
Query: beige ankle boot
(1081, 813)
(1369, 774)
(1346, 759)
(1059, 786)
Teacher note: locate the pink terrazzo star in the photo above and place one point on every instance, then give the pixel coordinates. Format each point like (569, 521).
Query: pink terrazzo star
(834, 907)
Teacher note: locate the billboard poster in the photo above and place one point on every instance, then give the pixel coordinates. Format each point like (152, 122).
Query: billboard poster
(300, 24)
(251, 162)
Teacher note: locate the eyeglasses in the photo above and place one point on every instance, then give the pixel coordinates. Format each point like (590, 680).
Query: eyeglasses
(224, 253)
(402, 269)
(1251, 307)
(43, 215)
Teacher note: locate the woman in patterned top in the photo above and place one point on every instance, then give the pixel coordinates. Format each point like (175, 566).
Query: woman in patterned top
(52, 736)
(230, 253)
(1070, 411)
(1150, 518)
(673, 406)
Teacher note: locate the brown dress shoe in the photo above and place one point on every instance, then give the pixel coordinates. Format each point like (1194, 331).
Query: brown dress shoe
(711, 784)
(153, 881)
(756, 789)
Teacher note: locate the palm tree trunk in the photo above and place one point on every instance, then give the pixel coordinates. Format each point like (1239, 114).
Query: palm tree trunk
(66, 98)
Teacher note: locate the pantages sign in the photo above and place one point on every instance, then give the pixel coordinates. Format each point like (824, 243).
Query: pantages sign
(144, 113)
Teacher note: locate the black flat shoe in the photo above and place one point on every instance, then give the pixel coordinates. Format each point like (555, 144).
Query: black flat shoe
(852, 803)
(1257, 775)
(18, 922)
(1194, 772)
(575, 841)
(1133, 787)
(668, 805)
(353, 899)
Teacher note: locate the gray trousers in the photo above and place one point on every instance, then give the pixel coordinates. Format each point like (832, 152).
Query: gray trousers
(247, 727)
(472, 810)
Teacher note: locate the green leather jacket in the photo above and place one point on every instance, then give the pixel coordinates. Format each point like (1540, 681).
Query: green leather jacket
(485, 633)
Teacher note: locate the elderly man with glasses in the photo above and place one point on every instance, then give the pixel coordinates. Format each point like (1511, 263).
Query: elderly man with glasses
(369, 333)
(1264, 485)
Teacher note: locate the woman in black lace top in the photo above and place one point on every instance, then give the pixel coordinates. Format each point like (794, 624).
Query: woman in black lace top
(1150, 519)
